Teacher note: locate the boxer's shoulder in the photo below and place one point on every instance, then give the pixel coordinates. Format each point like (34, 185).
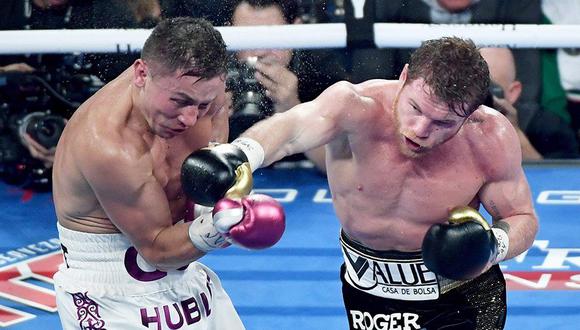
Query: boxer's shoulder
(492, 140)
(488, 121)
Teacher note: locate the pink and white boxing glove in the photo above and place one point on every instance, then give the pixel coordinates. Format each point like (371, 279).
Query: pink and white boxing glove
(254, 222)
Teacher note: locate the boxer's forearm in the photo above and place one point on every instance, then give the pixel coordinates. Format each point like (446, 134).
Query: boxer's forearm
(521, 230)
(300, 129)
(171, 248)
(271, 136)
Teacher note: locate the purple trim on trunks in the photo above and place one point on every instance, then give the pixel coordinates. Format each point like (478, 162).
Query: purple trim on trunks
(87, 312)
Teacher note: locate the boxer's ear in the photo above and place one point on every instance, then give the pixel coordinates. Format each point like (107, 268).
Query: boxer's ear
(140, 71)
(403, 75)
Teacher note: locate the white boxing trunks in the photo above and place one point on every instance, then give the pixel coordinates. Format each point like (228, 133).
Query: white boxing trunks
(105, 284)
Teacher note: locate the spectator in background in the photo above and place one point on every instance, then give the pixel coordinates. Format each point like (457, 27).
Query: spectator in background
(218, 12)
(561, 67)
(547, 135)
(121, 14)
(146, 13)
(287, 77)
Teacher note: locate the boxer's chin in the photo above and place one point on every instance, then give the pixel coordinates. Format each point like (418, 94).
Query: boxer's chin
(166, 133)
(410, 148)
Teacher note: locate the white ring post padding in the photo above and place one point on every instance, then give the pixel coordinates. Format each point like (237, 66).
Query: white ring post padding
(333, 35)
(389, 35)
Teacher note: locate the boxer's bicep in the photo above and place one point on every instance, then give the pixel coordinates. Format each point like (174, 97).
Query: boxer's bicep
(220, 125)
(506, 197)
(506, 191)
(132, 198)
(307, 125)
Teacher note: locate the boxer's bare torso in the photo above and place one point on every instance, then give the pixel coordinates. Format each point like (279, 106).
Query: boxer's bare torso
(385, 198)
(109, 125)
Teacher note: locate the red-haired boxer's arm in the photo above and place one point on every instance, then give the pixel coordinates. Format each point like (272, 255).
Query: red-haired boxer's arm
(220, 119)
(506, 194)
(220, 126)
(339, 109)
(121, 177)
(467, 246)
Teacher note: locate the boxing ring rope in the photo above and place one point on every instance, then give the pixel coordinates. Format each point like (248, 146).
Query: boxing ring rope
(333, 35)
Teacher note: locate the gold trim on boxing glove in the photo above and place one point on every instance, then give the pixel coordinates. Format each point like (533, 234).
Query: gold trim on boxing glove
(244, 182)
(463, 214)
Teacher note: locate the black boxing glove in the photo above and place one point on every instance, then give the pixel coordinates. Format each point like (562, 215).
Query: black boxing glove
(223, 170)
(465, 247)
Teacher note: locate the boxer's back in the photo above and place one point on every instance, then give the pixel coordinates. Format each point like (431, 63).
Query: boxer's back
(80, 141)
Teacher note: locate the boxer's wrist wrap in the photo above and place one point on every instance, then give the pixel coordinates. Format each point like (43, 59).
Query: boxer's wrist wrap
(253, 151)
(204, 235)
(503, 244)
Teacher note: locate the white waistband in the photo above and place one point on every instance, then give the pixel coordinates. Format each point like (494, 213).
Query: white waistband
(97, 252)
(86, 241)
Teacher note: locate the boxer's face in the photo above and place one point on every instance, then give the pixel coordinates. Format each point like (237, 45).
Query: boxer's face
(423, 121)
(175, 102)
(246, 15)
(50, 3)
(455, 5)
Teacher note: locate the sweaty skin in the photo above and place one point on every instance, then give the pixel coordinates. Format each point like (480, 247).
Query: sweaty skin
(117, 166)
(397, 161)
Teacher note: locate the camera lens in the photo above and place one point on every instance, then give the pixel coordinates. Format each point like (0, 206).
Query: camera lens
(42, 128)
(249, 101)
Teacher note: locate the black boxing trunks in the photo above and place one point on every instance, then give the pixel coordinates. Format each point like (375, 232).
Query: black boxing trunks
(395, 290)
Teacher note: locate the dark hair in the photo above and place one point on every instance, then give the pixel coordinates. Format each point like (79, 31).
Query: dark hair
(289, 8)
(192, 45)
(455, 72)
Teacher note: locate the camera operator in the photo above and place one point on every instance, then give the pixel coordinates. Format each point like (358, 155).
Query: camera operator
(267, 81)
(546, 135)
(34, 107)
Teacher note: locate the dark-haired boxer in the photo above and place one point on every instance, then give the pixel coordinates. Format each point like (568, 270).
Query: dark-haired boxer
(120, 184)
(404, 160)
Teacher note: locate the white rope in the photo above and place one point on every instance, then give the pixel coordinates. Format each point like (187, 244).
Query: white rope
(387, 35)
(285, 36)
(497, 35)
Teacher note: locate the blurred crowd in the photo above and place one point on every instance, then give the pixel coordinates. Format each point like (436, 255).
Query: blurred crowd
(537, 89)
